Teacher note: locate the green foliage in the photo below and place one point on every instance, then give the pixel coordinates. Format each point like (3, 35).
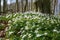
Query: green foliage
(1, 24)
(33, 27)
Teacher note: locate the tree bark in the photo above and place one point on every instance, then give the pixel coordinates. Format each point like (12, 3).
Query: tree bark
(36, 5)
(17, 5)
(4, 6)
(22, 5)
(0, 6)
(26, 6)
(31, 5)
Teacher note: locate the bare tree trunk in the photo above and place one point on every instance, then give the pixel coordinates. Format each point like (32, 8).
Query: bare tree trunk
(22, 5)
(4, 6)
(42, 6)
(26, 6)
(55, 3)
(17, 5)
(36, 5)
(31, 4)
(0, 6)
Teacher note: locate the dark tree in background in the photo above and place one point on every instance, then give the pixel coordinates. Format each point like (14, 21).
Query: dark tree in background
(26, 6)
(22, 5)
(36, 5)
(31, 4)
(17, 5)
(43, 5)
(4, 6)
(47, 6)
(0, 6)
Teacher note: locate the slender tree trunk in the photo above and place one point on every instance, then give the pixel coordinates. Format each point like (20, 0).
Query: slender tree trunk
(55, 3)
(31, 5)
(0, 6)
(26, 6)
(49, 11)
(22, 5)
(17, 5)
(42, 6)
(4, 6)
(36, 5)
